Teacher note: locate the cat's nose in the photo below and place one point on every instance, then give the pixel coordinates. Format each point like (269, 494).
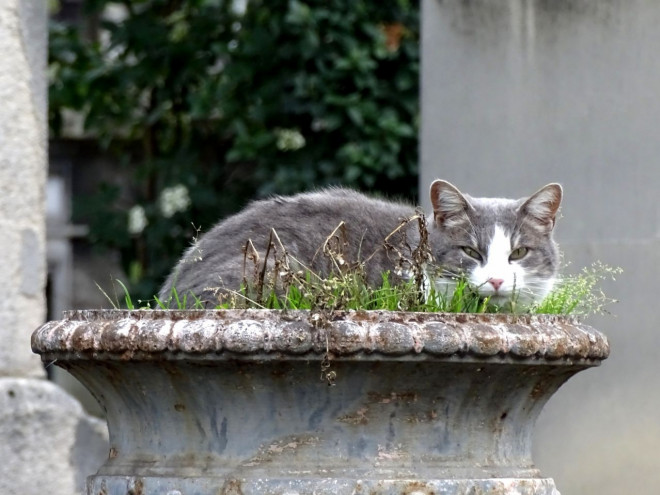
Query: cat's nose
(496, 283)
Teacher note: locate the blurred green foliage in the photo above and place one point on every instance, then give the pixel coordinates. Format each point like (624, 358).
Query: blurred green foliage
(284, 96)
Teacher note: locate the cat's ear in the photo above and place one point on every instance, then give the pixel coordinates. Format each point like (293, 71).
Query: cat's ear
(543, 205)
(449, 206)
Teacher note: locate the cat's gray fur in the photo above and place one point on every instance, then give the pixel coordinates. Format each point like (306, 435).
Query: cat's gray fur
(303, 223)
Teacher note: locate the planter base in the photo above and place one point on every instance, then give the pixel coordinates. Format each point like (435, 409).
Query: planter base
(121, 485)
(238, 402)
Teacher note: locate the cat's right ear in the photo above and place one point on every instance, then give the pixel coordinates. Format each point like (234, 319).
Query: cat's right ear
(543, 205)
(449, 206)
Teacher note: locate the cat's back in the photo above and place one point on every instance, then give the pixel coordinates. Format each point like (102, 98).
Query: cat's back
(335, 199)
(302, 222)
(313, 212)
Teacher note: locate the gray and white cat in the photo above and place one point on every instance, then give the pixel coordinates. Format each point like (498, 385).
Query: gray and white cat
(504, 247)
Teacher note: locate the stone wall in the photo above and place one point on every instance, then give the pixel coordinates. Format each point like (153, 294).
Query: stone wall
(519, 93)
(46, 440)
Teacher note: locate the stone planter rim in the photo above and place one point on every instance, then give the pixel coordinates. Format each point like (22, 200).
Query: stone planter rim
(300, 334)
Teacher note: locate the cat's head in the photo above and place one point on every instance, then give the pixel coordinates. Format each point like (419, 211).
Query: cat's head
(504, 247)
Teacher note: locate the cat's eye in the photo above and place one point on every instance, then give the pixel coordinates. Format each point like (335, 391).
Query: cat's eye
(518, 253)
(472, 253)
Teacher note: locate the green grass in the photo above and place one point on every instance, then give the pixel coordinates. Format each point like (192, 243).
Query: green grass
(346, 291)
(579, 295)
(174, 300)
(277, 280)
(181, 301)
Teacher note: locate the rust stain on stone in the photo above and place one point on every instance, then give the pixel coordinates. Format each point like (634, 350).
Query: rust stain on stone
(137, 488)
(231, 487)
(288, 445)
(461, 318)
(378, 398)
(422, 417)
(359, 417)
(417, 488)
(539, 390)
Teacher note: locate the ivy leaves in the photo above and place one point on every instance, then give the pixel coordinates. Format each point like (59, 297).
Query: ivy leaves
(232, 101)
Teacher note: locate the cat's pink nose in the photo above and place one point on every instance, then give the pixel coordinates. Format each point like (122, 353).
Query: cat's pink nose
(496, 283)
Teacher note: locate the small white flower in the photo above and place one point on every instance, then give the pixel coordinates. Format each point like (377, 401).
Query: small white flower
(173, 200)
(137, 220)
(318, 125)
(289, 139)
(239, 7)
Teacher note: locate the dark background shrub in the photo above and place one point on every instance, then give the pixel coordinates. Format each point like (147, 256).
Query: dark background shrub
(282, 97)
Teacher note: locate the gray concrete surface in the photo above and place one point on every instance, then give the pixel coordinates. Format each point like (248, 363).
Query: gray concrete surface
(47, 442)
(519, 93)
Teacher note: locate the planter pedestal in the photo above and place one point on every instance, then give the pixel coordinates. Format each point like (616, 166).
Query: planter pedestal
(239, 402)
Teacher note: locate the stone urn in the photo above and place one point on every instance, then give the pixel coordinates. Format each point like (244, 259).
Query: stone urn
(293, 402)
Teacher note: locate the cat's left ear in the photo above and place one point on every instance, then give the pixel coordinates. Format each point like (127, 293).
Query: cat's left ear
(450, 207)
(543, 205)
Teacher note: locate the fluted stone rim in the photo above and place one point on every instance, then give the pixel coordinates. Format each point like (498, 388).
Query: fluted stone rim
(264, 334)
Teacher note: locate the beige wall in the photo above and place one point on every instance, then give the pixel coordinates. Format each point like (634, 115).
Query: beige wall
(519, 93)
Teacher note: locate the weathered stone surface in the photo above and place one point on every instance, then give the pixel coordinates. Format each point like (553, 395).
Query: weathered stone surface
(237, 401)
(48, 444)
(147, 334)
(176, 486)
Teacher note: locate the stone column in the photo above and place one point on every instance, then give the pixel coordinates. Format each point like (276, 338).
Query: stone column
(46, 441)
(22, 178)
